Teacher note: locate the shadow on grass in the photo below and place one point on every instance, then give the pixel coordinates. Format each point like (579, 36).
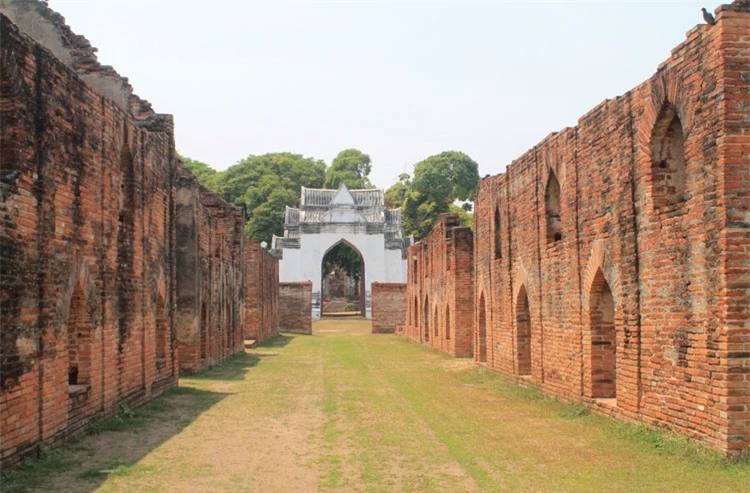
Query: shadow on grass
(232, 368)
(278, 341)
(116, 445)
(236, 367)
(113, 447)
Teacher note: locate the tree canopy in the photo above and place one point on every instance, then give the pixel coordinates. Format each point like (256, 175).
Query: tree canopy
(350, 167)
(266, 184)
(438, 182)
(208, 176)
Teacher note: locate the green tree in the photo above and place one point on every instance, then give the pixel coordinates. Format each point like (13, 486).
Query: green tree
(266, 184)
(344, 256)
(351, 167)
(207, 176)
(447, 176)
(395, 196)
(438, 182)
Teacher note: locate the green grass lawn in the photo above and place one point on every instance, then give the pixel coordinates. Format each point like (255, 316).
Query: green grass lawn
(345, 410)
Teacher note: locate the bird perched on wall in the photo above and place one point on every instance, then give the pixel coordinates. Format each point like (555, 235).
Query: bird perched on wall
(10, 177)
(708, 17)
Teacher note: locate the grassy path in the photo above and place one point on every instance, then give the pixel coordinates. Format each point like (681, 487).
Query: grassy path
(344, 410)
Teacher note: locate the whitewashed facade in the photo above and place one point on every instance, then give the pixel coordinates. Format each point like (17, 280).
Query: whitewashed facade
(326, 218)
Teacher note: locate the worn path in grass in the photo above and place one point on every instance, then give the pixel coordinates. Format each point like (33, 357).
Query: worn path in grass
(345, 410)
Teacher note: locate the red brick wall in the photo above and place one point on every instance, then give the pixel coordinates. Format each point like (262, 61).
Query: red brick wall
(388, 307)
(440, 288)
(227, 285)
(262, 292)
(85, 251)
(673, 258)
(116, 265)
(295, 300)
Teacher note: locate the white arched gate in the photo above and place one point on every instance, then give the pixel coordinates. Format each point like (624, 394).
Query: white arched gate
(328, 217)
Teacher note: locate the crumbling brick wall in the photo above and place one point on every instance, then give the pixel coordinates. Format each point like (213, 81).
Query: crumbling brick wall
(211, 275)
(440, 288)
(388, 306)
(85, 250)
(110, 251)
(262, 292)
(295, 299)
(612, 258)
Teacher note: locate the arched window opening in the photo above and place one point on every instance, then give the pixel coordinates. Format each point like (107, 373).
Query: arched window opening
(436, 324)
(668, 174)
(79, 339)
(161, 333)
(482, 331)
(523, 333)
(426, 310)
(498, 239)
(603, 340)
(447, 323)
(552, 208)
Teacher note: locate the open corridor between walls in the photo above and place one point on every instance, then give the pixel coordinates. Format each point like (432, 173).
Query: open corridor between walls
(343, 409)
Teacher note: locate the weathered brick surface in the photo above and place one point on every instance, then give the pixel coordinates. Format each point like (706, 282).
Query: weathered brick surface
(262, 292)
(210, 276)
(86, 258)
(440, 288)
(103, 235)
(388, 306)
(630, 291)
(294, 307)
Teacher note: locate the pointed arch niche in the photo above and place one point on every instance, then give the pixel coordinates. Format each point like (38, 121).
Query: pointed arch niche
(603, 364)
(667, 145)
(447, 323)
(79, 337)
(426, 318)
(523, 333)
(435, 322)
(498, 238)
(552, 209)
(482, 330)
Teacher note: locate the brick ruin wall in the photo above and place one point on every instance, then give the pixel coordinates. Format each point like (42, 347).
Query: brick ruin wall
(612, 260)
(210, 280)
(440, 288)
(90, 241)
(295, 299)
(262, 292)
(388, 306)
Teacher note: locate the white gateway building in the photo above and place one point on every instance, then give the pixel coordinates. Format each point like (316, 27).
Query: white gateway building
(327, 218)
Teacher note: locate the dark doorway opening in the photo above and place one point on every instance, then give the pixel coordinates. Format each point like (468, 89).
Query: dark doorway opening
(343, 281)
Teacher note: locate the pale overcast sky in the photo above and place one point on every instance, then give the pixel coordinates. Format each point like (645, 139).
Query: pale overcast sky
(398, 80)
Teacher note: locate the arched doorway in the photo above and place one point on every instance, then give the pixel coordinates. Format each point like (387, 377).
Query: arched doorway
(523, 332)
(482, 331)
(603, 340)
(343, 280)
